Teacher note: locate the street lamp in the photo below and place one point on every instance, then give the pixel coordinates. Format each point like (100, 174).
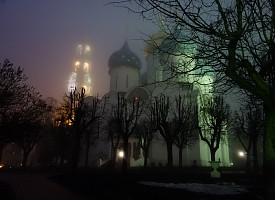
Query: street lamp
(241, 154)
(121, 154)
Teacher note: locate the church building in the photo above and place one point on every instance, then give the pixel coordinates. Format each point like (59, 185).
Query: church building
(170, 72)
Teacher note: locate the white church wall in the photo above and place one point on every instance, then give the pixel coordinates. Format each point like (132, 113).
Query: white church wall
(123, 78)
(158, 154)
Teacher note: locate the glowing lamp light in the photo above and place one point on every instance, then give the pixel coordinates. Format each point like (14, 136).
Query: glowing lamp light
(241, 154)
(121, 154)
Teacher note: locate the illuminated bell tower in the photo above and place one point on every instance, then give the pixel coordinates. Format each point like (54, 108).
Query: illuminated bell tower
(80, 76)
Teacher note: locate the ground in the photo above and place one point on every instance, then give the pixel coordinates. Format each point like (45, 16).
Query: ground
(187, 184)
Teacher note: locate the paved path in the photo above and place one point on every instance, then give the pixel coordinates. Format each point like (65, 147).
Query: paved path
(36, 187)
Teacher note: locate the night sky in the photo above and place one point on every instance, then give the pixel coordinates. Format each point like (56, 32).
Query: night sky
(42, 36)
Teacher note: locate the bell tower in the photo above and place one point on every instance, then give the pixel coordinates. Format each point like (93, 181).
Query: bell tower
(80, 76)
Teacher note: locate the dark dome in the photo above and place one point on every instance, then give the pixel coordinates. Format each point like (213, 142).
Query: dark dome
(124, 57)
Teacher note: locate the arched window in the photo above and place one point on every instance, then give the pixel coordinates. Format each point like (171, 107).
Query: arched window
(87, 49)
(79, 49)
(86, 67)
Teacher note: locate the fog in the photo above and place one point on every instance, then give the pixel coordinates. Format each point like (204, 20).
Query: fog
(42, 36)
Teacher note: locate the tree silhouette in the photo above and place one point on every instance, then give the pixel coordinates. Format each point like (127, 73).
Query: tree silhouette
(22, 110)
(249, 128)
(126, 113)
(29, 122)
(215, 115)
(160, 109)
(114, 136)
(236, 41)
(13, 88)
(94, 113)
(80, 115)
(185, 123)
(145, 132)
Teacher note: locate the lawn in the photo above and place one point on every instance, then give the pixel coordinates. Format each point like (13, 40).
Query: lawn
(156, 183)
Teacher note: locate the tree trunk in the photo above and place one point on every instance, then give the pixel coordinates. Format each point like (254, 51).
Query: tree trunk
(146, 152)
(1, 153)
(180, 157)
(248, 162)
(169, 154)
(76, 149)
(113, 157)
(125, 157)
(212, 154)
(255, 156)
(87, 155)
(269, 154)
(25, 159)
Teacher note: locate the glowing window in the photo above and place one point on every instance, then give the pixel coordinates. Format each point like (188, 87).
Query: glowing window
(77, 63)
(79, 49)
(85, 88)
(86, 67)
(87, 49)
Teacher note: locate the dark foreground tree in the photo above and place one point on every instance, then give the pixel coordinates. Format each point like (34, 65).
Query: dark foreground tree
(23, 112)
(13, 89)
(185, 123)
(74, 107)
(126, 113)
(62, 137)
(80, 115)
(236, 40)
(28, 123)
(95, 111)
(215, 117)
(145, 132)
(160, 108)
(114, 136)
(249, 128)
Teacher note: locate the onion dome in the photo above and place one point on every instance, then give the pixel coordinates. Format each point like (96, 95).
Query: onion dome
(124, 57)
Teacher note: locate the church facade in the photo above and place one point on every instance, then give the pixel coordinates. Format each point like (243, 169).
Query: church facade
(160, 79)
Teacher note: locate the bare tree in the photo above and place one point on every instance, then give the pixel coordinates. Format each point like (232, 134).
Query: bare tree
(74, 110)
(145, 132)
(127, 113)
(30, 119)
(114, 137)
(94, 112)
(62, 136)
(185, 123)
(13, 89)
(249, 128)
(160, 109)
(80, 115)
(235, 40)
(215, 116)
